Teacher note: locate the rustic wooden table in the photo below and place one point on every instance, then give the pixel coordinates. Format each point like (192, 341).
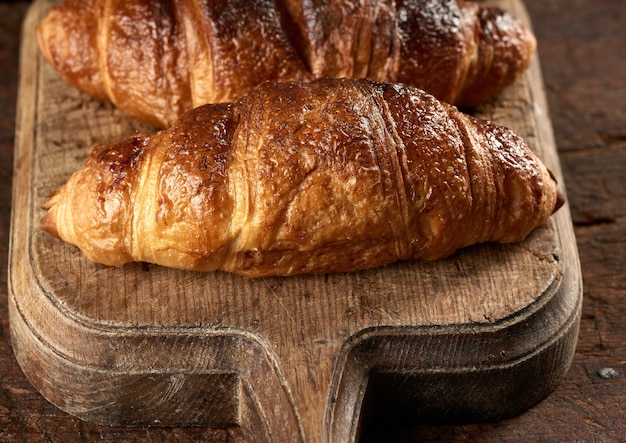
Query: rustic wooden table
(582, 48)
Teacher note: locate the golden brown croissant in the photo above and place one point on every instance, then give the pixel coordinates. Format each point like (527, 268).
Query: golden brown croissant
(329, 176)
(156, 59)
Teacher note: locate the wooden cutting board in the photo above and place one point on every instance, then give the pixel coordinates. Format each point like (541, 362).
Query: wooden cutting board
(482, 335)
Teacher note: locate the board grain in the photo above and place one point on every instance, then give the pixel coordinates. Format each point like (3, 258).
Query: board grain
(482, 335)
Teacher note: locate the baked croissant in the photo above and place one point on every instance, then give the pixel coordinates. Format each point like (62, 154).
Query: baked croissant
(156, 59)
(329, 176)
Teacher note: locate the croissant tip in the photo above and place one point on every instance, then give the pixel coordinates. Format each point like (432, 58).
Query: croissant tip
(48, 223)
(560, 196)
(560, 200)
(532, 40)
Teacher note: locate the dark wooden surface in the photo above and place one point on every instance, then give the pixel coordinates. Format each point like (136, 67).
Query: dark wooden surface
(582, 46)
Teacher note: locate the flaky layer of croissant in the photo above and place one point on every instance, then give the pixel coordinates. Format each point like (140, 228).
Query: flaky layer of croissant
(329, 176)
(157, 59)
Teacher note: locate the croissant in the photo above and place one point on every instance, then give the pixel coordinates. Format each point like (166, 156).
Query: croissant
(329, 176)
(155, 60)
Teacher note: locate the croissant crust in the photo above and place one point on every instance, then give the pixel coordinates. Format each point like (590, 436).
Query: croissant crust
(329, 176)
(155, 60)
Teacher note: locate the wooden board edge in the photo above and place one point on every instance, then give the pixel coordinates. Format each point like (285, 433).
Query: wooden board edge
(19, 261)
